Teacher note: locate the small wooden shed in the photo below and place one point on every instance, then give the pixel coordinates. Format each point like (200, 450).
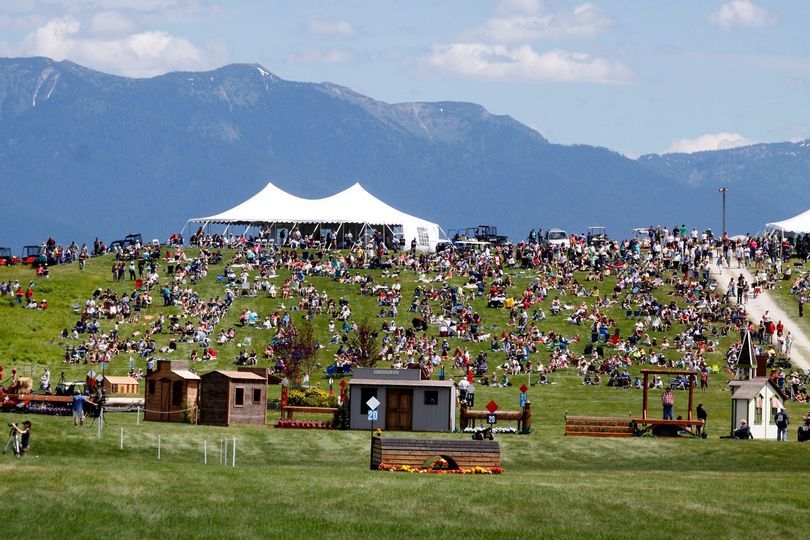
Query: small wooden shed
(756, 400)
(233, 397)
(754, 396)
(120, 385)
(407, 403)
(170, 391)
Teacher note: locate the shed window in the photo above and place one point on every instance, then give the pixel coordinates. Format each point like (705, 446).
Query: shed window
(177, 393)
(239, 397)
(422, 236)
(431, 397)
(365, 395)
(151, 387)
(257, 395)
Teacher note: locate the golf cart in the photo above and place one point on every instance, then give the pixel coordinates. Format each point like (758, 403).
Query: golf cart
(134, 239)
(597, 236)
(30, 254)
(6, 258)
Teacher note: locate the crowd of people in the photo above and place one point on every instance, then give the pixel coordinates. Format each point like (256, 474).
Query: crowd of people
(660, 282)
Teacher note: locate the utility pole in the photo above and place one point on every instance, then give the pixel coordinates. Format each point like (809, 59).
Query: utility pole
(724, 190)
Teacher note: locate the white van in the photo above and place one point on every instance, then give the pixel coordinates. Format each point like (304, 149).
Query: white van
(557, 237)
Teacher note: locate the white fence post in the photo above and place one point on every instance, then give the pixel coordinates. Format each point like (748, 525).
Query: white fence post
(233, 451)
(121, 445)
(158, 447)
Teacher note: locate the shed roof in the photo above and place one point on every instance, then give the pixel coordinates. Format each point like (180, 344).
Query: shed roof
(243, 375)
(749, 389)
(387, 382)
(186, 374)
(117, 379)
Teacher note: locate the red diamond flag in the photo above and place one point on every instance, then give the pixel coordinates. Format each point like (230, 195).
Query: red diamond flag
(343, 383)
(523, 388)
(492, 407)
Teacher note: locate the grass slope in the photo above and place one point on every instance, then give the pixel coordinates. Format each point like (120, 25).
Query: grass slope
(291, 483)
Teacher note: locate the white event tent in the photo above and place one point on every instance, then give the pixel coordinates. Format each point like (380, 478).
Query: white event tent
(797, 224)
(353, 210)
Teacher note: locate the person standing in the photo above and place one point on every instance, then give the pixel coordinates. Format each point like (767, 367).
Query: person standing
(45, 381)
(22, 438)
(802, 300)
(463, 387)
(77, 405)
(701, 415)
(668, 401)
(782, 422)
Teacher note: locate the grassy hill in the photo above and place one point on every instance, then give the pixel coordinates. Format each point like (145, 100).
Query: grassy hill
(292, 483)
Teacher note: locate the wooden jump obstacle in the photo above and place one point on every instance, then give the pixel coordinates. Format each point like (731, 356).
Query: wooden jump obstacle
(594, 426)
(646, 423)
(288, 411)
(416, 452)
(523, 417)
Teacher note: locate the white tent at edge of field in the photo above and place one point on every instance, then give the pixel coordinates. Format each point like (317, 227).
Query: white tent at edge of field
(797, 224)
(352, 210)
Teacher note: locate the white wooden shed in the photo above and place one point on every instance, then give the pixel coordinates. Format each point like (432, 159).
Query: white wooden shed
(756, 400)
(754, 396)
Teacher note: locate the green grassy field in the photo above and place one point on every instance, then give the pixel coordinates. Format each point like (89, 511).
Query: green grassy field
(781, 293)
(295, 483)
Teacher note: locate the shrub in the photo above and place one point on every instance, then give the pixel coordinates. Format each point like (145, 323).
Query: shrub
(311, 397)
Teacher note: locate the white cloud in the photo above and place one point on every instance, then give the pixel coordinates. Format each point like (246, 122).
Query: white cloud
(135, 5)
(523, 63)
(323, 56)
(331, 28)
(741, 13)
(584, 21)
(709, 141)
(141, 54)
(519, 6)
(110, 23)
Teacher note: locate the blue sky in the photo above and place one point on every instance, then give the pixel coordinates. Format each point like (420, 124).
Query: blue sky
(634, 76)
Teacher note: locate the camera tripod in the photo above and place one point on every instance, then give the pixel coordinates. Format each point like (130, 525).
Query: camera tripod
(13, 439)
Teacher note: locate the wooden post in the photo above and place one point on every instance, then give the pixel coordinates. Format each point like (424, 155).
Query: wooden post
(463, 415)
(527, 417)
(691, 396)
(646, 392)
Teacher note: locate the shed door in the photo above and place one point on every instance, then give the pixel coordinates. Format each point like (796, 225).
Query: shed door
(398, 409)
(165, 400)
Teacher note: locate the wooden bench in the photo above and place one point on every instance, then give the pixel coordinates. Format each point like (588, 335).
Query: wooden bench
(290, 409)
(597, 426)
(416, 452)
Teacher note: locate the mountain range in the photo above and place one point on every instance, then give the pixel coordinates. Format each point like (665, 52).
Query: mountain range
(85, 154)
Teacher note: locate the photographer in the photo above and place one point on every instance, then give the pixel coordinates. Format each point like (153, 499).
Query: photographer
(20, 438)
